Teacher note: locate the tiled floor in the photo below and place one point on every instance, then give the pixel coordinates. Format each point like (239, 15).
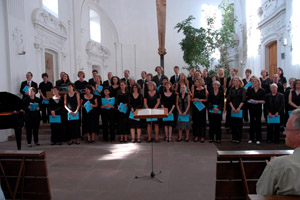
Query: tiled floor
(107, 171)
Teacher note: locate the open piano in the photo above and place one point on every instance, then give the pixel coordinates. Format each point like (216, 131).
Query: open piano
(11, 115)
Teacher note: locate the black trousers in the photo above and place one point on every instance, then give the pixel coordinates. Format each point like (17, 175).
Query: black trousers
(273, 131)
(122, 124)
(245, 109)
(215, 126)
(228, 115)
(108, 123)
(32, 124)
(255, 124)
(199, 122)
(237, 128)
(45, 112)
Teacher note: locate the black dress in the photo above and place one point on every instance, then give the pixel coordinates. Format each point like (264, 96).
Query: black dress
(122, 117)
(199, 117)
(73, 128)
(169, 102)
(80, 87)
(152, 101)
(89, 119)
(135, 103)
(45, 87)
(32, 119)
(265, 84)
(57, 129)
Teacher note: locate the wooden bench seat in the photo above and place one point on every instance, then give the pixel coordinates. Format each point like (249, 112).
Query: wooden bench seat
(24, 175)
(271, 197)
(237, 172)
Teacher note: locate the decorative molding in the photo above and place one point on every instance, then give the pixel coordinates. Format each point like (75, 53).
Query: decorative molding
(278, 11)
(17, 36)
(44, 19)
(95, 51)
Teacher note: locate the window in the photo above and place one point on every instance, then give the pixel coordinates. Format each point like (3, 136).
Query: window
(51, 6)
(95, 29)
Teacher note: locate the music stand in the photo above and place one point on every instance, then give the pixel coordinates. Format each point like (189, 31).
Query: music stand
(151, 115)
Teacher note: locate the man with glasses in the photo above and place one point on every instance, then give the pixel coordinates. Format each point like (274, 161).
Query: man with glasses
(281, 175)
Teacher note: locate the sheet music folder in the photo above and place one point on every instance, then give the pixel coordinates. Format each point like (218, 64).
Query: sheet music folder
(151, 113)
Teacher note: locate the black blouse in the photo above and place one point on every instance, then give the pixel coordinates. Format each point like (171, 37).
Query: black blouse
(236, 96)
(152, 100)
(168, 101)
(265, 84)
(135, 103)
(57, 105)
(216, 99)
(122, 97)
(259, 95)
(44, 87)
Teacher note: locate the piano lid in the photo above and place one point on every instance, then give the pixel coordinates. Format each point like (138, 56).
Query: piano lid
(10, 102)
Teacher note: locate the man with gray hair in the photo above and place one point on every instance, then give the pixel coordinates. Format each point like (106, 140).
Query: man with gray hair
(281, 175)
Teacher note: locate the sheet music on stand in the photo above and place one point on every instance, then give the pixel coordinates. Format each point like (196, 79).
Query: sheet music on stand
(151, 112)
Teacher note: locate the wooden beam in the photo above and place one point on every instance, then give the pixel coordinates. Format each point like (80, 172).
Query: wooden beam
(161, 24)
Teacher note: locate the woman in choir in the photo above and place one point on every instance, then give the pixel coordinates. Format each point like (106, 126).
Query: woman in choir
(256, 98)
(89, 117)
(107, 114)
(229, 83)
(32, 116)
(287, 106)
(98, 93)
(222, 78)
(145, 86)
(168, 100)
(200, 95)
(182, 81)
(236, 99)
(207, 80)
(64, 82)
(191, 77)
(45, 87)
(152, 100)
(282, 79)
(115, 86)
(161, 89)
(265, 81)
(274, 107)
(135, 102)
(122, 98)
(183, 104)
(72, 105)
(294, 97)
(56, 105)
(81, 83)
(215, 106)
(246, 80)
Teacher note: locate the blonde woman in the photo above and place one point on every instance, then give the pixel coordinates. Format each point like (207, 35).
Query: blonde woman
(256, 98)
(236, 99)
(182, 81)
(265, 80)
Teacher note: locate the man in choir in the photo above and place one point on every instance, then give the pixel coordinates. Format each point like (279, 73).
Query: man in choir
(107, 83)
(143, 80)
(92, 80)
(29, 83)
(126, 76)
(45, 87)
(60, 81)
(174, 79)
(158, 78)
(281, 175)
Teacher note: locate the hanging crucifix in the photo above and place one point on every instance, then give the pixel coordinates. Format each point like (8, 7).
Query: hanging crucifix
(161, 24)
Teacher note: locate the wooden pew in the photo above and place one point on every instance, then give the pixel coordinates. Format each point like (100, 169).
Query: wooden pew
(24, 175)
(237, 172)
(271, 197)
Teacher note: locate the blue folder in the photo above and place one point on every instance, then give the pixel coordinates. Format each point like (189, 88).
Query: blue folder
(213, 111)
(131, 116)
(57, 119)
(199, 105)
(273, 120)
(64, 88)
(184, 118)
(87, 106)
(237, 115)
(110, 101)
(45, 101)
(253, 102)
(169, 118)
(33, 106)
(71, 117)
(123, 108)
(26, 88)
(151, 119)
(158, 87)
(290, 113)
(248, 85)
(99, 87)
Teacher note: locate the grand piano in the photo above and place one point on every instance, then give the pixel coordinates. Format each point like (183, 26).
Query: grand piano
(11, 116)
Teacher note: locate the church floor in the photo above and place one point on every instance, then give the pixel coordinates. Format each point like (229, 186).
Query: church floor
(107, 171)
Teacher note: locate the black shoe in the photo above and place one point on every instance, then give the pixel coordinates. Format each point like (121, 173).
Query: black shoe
(187, 140)
(139, 141)
(37, 144)
(211, 141)
(53, 143)
(179, 140)
(60, 143)
(70, 143)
